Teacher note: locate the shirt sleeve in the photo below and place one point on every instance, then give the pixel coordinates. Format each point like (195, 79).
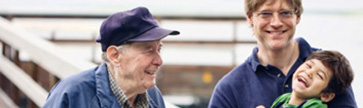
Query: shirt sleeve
(221, 97)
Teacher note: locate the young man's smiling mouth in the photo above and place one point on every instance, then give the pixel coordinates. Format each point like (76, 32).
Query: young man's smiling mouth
(276, 32)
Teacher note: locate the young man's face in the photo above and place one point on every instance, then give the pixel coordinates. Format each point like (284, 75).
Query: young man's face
(310, 79)
(139, 64)
(274, 24)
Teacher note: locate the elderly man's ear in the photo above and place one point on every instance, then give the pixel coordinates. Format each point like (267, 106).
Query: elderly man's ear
(113, 55)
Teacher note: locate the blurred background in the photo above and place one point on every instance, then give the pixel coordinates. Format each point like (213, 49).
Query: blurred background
(43, 41)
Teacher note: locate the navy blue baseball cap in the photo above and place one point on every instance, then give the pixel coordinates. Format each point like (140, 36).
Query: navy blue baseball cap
(136, 25)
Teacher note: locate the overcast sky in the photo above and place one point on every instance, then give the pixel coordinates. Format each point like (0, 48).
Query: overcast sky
(169, 7)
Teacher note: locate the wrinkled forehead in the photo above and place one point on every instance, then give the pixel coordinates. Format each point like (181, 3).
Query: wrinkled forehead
(157, 43)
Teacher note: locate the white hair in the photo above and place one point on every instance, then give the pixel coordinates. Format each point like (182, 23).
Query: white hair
(122, 47)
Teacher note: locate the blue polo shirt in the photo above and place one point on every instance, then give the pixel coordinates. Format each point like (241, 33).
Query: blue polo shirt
(251, 84)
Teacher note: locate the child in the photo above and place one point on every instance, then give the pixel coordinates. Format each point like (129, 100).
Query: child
(317, 80)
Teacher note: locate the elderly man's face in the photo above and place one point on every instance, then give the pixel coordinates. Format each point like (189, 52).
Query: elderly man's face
(139, 64)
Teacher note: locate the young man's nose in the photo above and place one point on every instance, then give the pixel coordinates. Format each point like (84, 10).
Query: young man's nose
(276, 21)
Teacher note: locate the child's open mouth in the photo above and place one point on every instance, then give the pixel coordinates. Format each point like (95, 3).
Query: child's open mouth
(303, 81)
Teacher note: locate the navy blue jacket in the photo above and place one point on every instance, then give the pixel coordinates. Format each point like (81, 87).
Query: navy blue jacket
(252, 84)
(91, 89)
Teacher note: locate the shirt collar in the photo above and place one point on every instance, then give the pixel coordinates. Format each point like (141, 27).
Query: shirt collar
(254, 60)
(304, 48)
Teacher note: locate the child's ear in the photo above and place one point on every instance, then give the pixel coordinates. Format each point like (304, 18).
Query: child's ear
(326, 97)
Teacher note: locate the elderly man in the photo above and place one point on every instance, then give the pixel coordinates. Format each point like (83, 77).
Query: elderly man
(131, 44)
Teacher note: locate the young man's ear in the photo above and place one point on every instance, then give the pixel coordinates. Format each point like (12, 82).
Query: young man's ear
(113, 55)
(298, 17)
(326, 97)
(249, 19)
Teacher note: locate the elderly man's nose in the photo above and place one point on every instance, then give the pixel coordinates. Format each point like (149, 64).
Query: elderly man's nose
(158, 61)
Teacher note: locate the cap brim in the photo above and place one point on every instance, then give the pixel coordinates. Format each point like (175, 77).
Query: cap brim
(154, 34)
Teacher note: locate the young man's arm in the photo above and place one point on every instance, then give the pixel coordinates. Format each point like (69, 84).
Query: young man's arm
(221, 97)
(343, 100)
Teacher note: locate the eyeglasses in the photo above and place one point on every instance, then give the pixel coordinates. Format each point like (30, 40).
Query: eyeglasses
(268, 15)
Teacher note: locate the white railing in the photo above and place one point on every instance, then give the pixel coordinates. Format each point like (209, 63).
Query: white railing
(40, 51)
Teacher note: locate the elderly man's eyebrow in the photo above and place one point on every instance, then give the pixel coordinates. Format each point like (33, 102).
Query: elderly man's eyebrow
(146, 46)
(141, 45)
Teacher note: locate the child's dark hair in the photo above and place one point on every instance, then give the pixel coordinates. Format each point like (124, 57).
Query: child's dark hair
(342, 74)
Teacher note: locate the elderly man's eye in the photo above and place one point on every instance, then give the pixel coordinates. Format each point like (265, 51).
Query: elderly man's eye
(150, 50)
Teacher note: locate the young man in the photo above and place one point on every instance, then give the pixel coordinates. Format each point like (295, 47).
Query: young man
(131, 44)
(323, 75)
(267, 73)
